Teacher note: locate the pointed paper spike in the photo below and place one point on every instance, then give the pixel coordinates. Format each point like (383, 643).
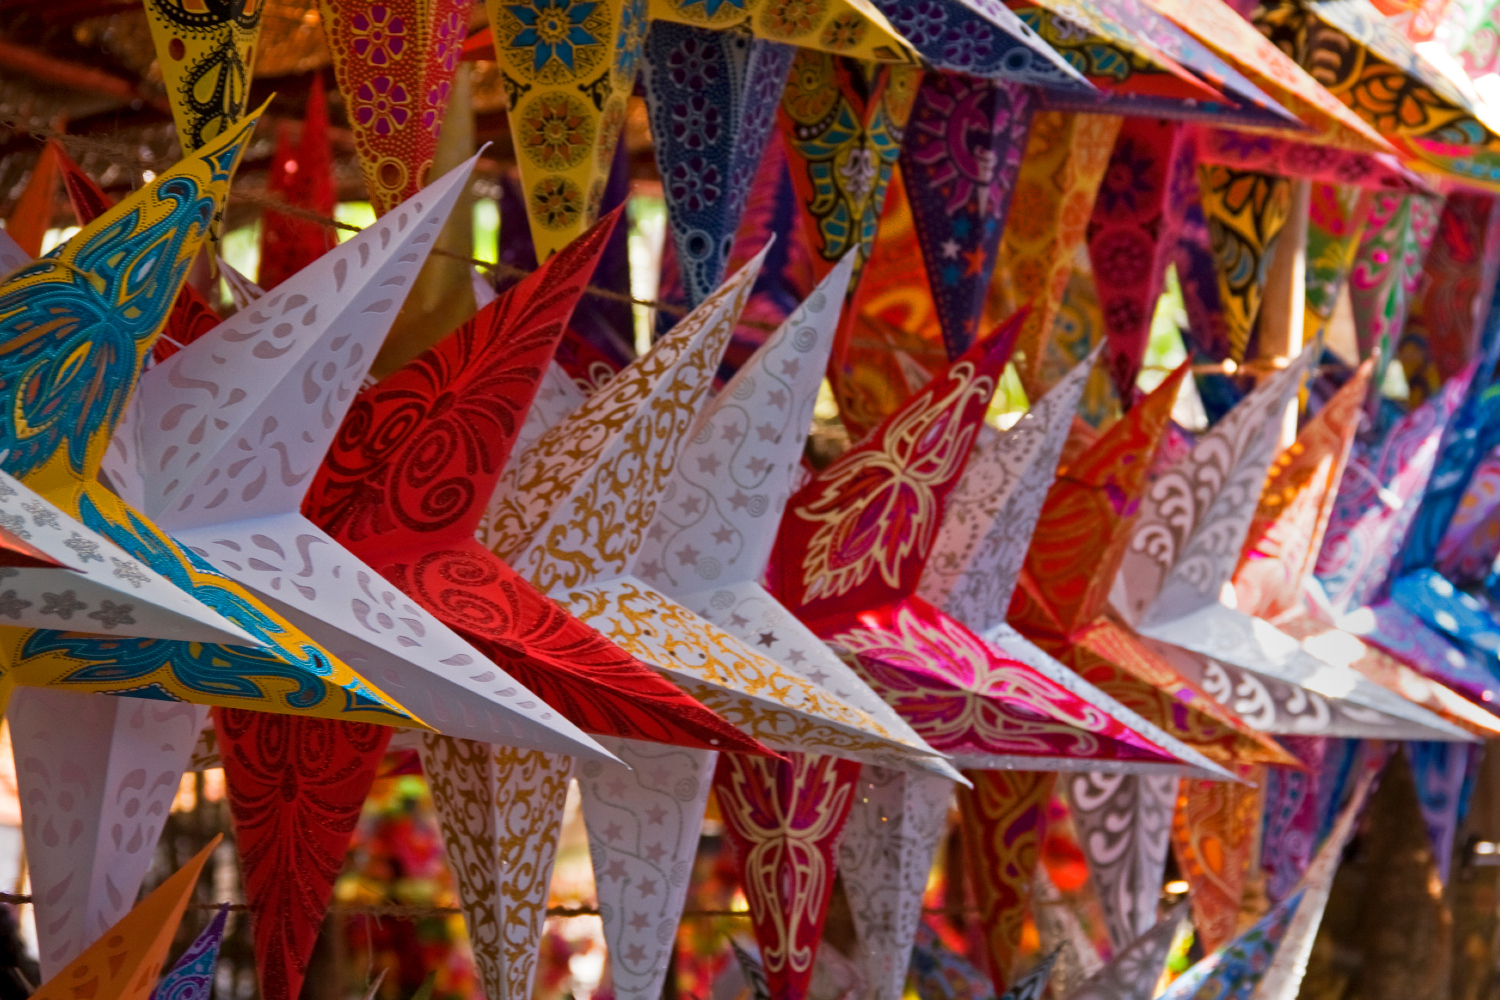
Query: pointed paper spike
(692, 72)
(126, 960)
(1215, 829)
(987, 528)
(553, 523)
(734, 475)
(859, 532)
(105, 770)
(959, 223)
(279, 374)
(1377, 500)
(394, 63)
(1295, 504)
(842, 27)
(241, 289)
(644, 817)
(501, 812)
(32, 215)
(117, 595)
(940, 973)
(1085, 522)
(1387, 268)
(296, 787)
(455, 411)
(302, 174)
(1124, 823)
(1237, 969)
(1004, 821)
(1059, 929)
(1031, 985)
(556, 397)
(784, 819)
(1441, 772)
(206, 58)
(1245, 212)
(1135, 970)
(1007, 48)
(885, 857)
(1282, 978)
(1193, 517)
(192, 978)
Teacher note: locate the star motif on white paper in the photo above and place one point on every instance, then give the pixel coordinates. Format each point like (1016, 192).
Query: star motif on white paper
(616, 870)
(651, 570)
(767, 432)
(790, 368)
(950, 250)
(691, 506)
(724, 535)
(709, 465)
(732, 434)
(738, 620)
(639, 921)
(656, 816)
(777, 398)
(613, 832)
(797, 657)
(655, 853)
(658, 532)
(648, 887)
(757, 466)
(739, 501)
(767, 639)
(635, 953)
(688, 556)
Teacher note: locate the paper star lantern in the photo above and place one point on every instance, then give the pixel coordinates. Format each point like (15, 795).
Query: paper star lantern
(192, 978)
(853, 28)
(1137, 968)
(205, 52)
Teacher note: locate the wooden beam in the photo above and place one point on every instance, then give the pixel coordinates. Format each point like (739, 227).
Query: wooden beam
(62, 73)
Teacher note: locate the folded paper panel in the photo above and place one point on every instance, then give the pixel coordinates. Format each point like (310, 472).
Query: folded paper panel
(712, 96)
(1387, 268)
(1336, 219)
(1124, 823)
(1001, 45)
(957, 121)
(296, 788)
(1061, 170)
(500, 810)
(644, 817)
(1472, 541)
(784, 819)
(192, 978)
(1135, 970)
(1131, 232)
(394, 63)
(1377, 500)
(1218, 26)
(125, 962)
(1296, 503)
(206, 57)
(854, 28)
(986, 531)
(1004, 819)
(156, 231)
(96, 777)
(1290, 831)
(1444, 774)
(1458, 278)
(858, 534)
(1389, 626)
(1288, 157)
(1215, 831)
(1245, 210)
(885, 858)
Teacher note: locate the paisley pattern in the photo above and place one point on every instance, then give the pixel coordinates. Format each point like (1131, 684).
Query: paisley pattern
(1377, 501)
(394, 62)
(500, 810)
(1061, 169)
(859, 532)
(712, 97)
(1295, 505)
(1472, 540)
(1245, 211)
(784, 819)
(1194, 516)
(1290, 829)
(1214, 836)
(1004, 819)
(960, 159)
(296, 787)
(124, 964)
(643, 819)
(966, 698)
(840, 27)
(885, 857)
(1123, 824)
(940, 973)
(1387, 268)
(986, 530)
(204, 50)
(192, 978)
(1131, 234)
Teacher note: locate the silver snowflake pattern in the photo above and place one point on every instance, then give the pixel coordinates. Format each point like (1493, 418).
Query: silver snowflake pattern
(42, 515)
(15, 524)
(62, 605)
(112, 615)
(130, 572)
(86, 548)
(12, 604)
